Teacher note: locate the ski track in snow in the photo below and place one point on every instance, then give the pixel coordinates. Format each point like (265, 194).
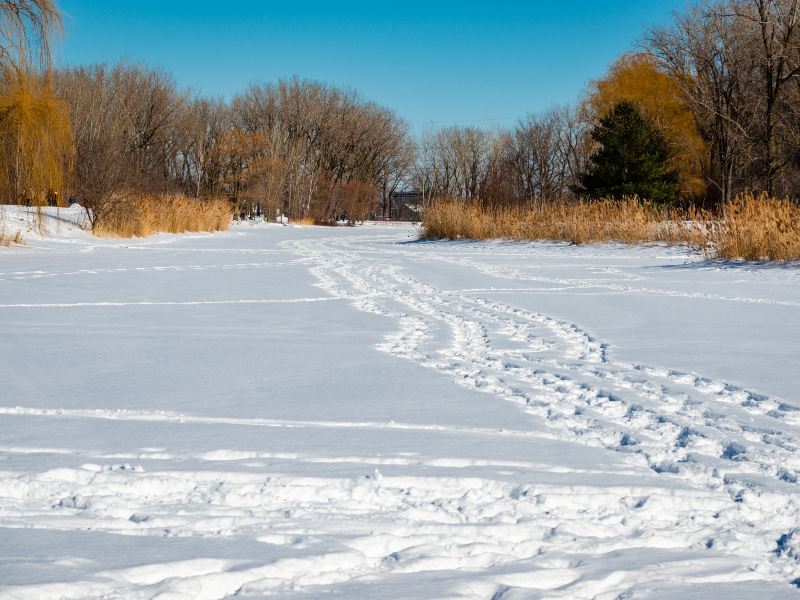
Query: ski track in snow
(168, 303)
(728, 458)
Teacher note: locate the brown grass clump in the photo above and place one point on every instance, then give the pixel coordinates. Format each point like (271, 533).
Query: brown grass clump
(145, 215)
(6, 239)
(757, 228)
(629, 221)
(747, 228)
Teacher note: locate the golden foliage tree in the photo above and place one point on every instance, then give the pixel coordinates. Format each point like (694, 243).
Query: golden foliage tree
(35, 140)
(637, 78)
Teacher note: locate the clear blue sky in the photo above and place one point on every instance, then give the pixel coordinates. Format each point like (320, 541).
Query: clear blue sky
(433, 62)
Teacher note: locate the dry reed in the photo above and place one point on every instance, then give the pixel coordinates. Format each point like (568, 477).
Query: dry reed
(757, 228)
(6, 239)
(629, 221)
(748, 228)
(145, 215)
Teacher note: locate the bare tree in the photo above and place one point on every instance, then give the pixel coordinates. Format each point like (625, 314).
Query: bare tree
(122, 121)
(536, 161)
(315, 141)
(27, 29)
(150, 106)
(708, 52)
(542, 156)
(738, 63)
(776, 48)
(456, 162)
(102, 166)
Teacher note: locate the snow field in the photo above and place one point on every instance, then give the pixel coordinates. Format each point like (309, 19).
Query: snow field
(294, 412)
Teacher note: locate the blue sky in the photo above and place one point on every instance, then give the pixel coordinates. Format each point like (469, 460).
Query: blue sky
(481, 63)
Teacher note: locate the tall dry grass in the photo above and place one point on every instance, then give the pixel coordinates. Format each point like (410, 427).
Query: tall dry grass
(141, 216)
(748, 228)
(757, 228)
(8, 238)
(629, 221)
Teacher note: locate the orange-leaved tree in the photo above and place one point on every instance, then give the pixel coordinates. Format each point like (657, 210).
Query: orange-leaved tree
(637, 78)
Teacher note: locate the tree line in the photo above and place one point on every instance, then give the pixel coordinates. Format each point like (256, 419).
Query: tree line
(100, 134)
(714, 96)
(298, 147)
(708, 107)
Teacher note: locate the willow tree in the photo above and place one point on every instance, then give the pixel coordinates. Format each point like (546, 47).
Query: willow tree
(35, 140)
(27, 29)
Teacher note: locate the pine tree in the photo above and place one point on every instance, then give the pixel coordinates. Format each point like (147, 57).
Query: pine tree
(633, 159)
(638, 78)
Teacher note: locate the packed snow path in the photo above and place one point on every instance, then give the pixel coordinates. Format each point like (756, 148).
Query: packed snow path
(313, 412)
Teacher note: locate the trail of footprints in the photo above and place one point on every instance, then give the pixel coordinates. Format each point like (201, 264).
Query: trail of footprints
(708, 432)
(737, 449)
(402, 525)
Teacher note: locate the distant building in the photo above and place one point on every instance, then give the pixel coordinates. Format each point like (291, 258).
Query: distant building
(405, 206)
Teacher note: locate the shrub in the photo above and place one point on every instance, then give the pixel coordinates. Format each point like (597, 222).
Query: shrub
(141, 216)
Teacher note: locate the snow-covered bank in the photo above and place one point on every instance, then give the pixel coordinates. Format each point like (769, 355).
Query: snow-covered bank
(299, 412)
(30, 222)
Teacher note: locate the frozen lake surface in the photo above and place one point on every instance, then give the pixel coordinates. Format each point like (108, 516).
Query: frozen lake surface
(350, 413)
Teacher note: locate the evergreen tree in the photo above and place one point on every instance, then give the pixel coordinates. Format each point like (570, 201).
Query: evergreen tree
(633, 159)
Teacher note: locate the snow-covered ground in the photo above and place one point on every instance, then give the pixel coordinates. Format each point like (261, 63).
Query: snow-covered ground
(30, 222)
(349, 413)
